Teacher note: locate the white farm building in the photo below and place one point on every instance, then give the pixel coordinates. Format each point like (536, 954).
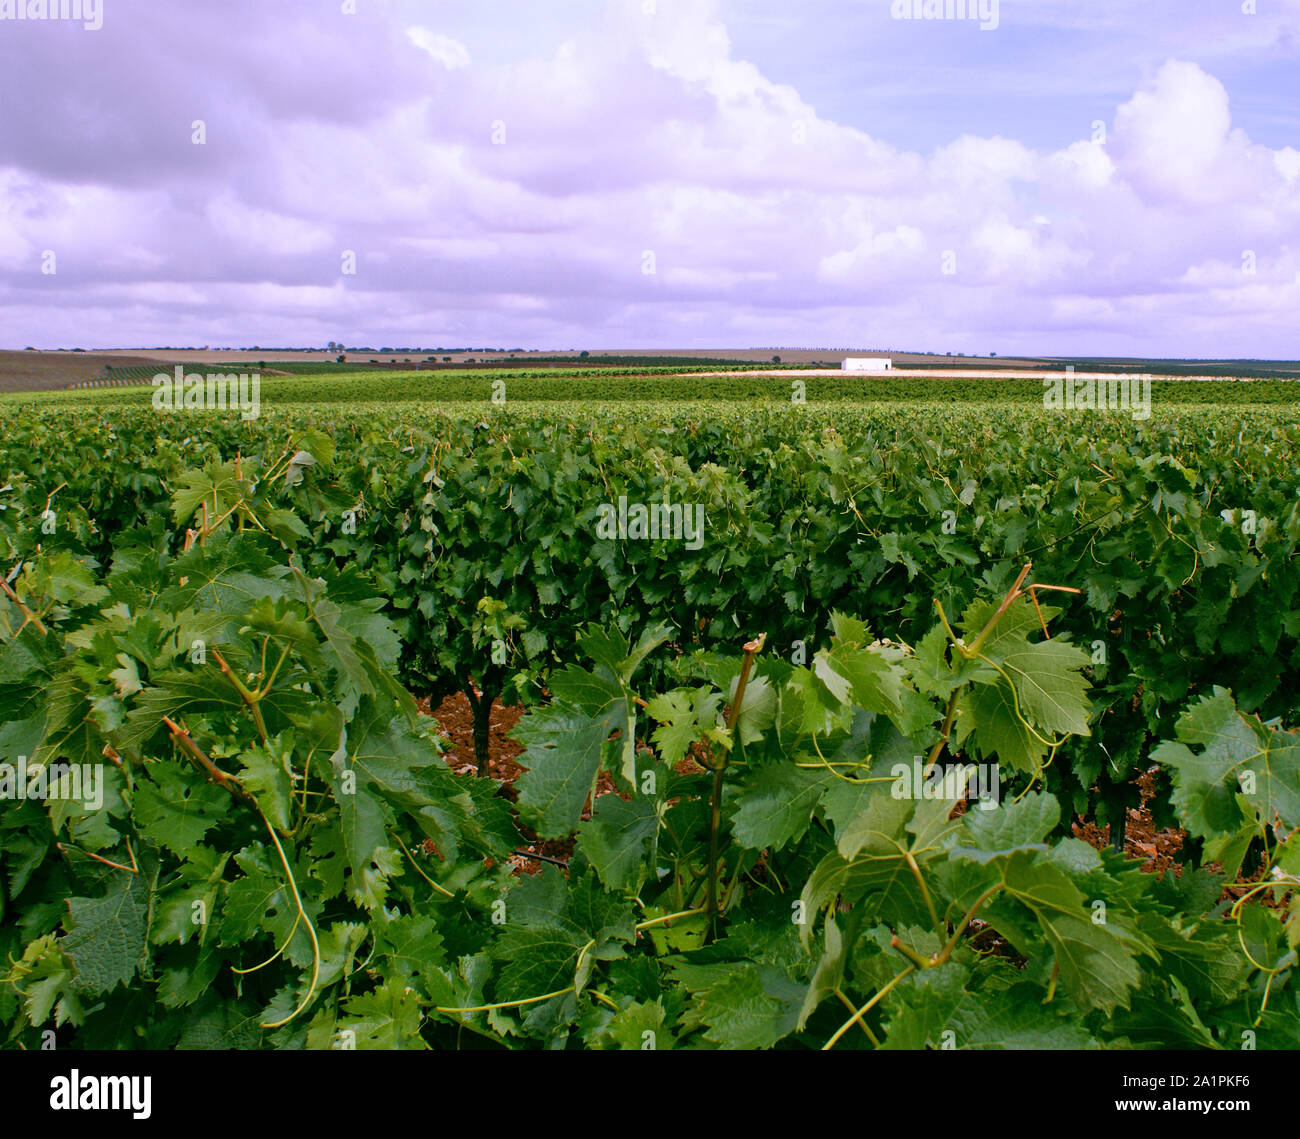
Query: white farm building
(867, 364)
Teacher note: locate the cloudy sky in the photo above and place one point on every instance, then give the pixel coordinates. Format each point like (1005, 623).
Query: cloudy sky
(1098, 177)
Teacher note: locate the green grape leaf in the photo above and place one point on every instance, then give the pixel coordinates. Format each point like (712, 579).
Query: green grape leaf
(1007, 828)
(989, 711)
(1097, 967)
(775, 805)
(268, 776)
(618, 837)
(553, 936)
(176, 807)
(106, 938)
(563, 750)
(753, 1008)
(1237, 758)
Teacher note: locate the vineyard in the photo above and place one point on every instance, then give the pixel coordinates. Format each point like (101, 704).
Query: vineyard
(816, 699)
(345, 385)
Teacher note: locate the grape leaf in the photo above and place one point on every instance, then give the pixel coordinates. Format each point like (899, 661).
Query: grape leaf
(753, 1008)
(563, 749)
(106, 939)
(617, 838)
(1009, 827)
(1096, 966)
(775, 805)
(1237, 758)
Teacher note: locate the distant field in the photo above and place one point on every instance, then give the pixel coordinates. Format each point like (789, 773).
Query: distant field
(339, 390)
(43, 371)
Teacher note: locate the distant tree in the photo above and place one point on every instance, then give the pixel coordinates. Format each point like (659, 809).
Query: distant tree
(341, 360)
(583, 354)
(776, 359)
(992, 354)
(261, 365)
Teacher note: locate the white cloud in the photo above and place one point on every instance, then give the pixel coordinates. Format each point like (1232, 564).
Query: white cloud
(1173, 140)
(452, 54)
(1287, 161)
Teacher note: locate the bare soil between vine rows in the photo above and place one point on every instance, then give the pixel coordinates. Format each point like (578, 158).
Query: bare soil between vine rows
(1156, 849)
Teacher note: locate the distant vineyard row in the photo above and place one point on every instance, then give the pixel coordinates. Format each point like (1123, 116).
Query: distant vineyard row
(622, 385)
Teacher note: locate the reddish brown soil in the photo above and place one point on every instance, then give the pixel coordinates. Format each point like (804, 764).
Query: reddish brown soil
(456, 720)
(1141, 840)
(1158, 848)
